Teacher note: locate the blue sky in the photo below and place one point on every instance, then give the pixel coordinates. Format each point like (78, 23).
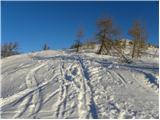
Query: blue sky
(32, 24)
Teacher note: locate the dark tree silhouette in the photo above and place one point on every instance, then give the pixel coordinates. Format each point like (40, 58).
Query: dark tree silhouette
(107, 35)
(8, 49)
(107, 32)
(45, 47)
(78, 40)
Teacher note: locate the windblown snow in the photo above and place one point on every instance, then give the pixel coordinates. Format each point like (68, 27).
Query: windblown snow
(64, 84)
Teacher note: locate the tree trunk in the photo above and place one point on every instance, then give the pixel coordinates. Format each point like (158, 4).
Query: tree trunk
(101, 47)
(133, 51)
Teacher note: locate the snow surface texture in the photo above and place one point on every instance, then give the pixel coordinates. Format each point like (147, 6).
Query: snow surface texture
(63, 84)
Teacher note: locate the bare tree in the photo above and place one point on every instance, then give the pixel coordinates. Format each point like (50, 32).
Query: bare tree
(9, 49)
(45, 47)
(107, 32)
(138, 33)
(107, 35)
(78, 43)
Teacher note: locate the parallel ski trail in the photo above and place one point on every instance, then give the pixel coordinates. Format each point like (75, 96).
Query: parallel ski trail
(98, 74)
(116, 76)
(35, 97)
(85, 93)
(23, 106)
(60, 107)
(21, 67)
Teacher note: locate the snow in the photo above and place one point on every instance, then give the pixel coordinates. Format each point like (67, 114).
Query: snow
(63, 84)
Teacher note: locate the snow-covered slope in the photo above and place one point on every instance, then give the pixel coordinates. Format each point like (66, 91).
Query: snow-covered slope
(63, 84)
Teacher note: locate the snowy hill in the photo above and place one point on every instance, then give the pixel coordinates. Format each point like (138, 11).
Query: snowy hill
(63, 84)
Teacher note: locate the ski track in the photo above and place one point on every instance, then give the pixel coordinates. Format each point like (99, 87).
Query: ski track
(31, 98)
(20, 67)
(35, 98)
(86, 107)
(60, 107)
(96, 72)
(116, 110)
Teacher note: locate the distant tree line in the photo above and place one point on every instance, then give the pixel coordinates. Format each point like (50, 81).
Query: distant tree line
(11, 48)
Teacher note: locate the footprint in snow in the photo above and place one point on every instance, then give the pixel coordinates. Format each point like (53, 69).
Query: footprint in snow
(74, 72)
(68, 77)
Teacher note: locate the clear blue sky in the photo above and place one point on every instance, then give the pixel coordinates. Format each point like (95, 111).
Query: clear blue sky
(32, 24)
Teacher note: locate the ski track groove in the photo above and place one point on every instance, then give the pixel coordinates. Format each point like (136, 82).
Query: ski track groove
(15, 98)
(29, 97)
(60, 107)
(94, 72)
(119, 77)
(97, 71)
(86, 101)
(35, 96)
